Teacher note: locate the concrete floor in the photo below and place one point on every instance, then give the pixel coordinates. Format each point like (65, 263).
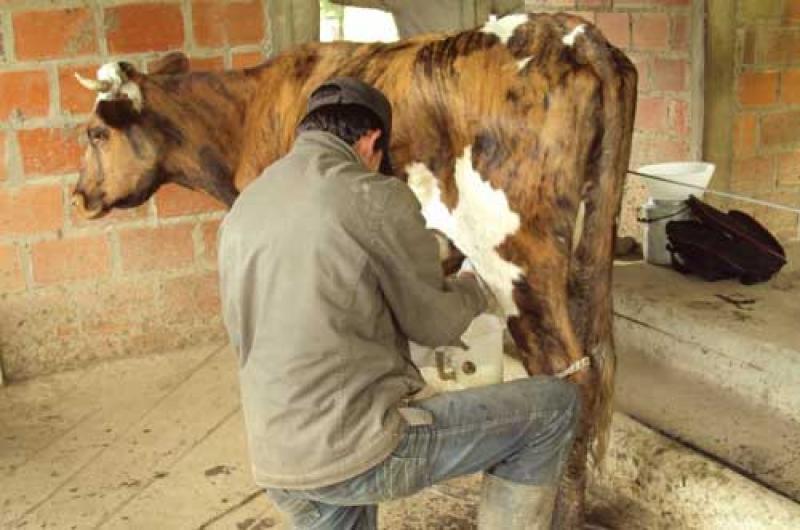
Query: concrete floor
(157, 442)
(154, 442)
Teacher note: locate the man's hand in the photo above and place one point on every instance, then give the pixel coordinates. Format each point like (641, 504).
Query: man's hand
(468, 271)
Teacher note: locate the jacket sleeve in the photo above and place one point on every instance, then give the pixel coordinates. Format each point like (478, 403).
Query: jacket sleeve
(431, 310)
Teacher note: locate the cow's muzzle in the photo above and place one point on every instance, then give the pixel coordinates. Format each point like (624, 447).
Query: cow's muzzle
(79, 202)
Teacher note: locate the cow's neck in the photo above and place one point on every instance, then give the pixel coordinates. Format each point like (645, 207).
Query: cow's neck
(210, 109)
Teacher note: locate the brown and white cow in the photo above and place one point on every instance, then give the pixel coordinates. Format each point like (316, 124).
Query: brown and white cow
(505, 132)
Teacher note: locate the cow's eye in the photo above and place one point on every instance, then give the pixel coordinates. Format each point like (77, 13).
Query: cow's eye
(97, 134)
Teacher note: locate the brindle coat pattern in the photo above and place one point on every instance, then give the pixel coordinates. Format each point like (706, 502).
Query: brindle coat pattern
(551, 134)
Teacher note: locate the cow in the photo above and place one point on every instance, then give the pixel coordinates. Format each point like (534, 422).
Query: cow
(515, 136)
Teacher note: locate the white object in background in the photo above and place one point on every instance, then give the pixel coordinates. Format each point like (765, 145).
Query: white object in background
(694, 173)
(368, 25)
(667, 202)
(452, 368)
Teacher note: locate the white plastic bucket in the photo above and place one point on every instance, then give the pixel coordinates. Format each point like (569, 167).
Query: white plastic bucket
(694, 173)
(452, 368)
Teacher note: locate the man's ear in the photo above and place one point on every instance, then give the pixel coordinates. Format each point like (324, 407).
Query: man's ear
(368, 150)
(371, 140)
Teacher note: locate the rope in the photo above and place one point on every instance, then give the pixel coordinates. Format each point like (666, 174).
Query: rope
(577, 366)
(725, 194)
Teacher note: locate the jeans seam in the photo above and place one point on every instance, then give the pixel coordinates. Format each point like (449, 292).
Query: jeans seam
(494, 423)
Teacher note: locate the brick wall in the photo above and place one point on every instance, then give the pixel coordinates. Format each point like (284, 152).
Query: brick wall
(144, 279)
(656, 36)
(766, 150)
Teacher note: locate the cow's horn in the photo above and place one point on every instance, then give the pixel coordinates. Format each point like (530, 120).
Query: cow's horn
(91, 84)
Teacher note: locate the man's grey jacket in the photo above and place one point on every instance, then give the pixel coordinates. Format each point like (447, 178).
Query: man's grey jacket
(326, 272)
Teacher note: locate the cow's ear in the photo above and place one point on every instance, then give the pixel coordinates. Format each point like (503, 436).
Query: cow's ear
(117, 113)
(130, 71)
(172, 63)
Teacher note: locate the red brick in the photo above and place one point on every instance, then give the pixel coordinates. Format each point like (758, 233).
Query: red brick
(173, 200)
(549, 3)
(3, 160)
(616, 27)
(206, 64)
(651, 3)
(49, 151)
(788, 169)
(25, 93)
(74, 98)
(208, 21)
(781, 128)
(244, 22)
(11, 277)
(651, 31)
(65, 260)
(780, 46)
(246, 59)
(30, 210)
(679, 117)
(166, 247)
(668, 149)
(54, 33)
(642, 62)
(681, 32)
(144, 27)
(744, 135)
(792, 11)
(219, 23)
(790, 86)
(752, 174)
(651, 114)
(210, 231)
(670, 74)
(192, 297)
(758, 88)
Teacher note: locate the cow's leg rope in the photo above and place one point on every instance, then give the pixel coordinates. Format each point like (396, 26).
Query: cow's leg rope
(577, 366)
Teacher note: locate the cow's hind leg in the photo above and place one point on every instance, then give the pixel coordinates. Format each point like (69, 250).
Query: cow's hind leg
(591, 266)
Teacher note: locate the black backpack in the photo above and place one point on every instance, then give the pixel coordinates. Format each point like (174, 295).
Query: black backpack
(716, 245)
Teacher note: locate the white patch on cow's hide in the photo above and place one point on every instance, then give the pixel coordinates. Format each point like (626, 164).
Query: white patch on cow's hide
(120, 85)
(523, 63)
(577, 232)
(481, 221)
(504, 27)
(569, 38)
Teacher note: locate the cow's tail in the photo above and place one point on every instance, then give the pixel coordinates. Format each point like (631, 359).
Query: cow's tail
(607, 162)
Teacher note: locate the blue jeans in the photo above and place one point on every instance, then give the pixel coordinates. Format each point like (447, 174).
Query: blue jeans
(519, 431)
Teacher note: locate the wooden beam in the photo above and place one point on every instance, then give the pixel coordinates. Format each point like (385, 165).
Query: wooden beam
(719, 94)
(293, 22)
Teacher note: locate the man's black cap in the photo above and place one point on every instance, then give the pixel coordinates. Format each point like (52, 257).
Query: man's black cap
(351, 91)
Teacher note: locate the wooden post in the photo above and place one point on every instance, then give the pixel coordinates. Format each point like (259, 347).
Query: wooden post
(293, 22)
(719, 97)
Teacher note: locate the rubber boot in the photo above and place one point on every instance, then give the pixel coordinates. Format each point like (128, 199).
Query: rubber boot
(507, 505)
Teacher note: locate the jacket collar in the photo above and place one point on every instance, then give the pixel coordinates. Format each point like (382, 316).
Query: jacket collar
(316, 140)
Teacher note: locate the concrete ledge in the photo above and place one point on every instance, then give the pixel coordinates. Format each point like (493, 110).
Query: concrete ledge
(715, 364)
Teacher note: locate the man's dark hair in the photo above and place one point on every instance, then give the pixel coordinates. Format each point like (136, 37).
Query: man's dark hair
(348, 122)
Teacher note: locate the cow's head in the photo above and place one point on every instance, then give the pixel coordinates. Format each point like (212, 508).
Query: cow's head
(122, 165)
